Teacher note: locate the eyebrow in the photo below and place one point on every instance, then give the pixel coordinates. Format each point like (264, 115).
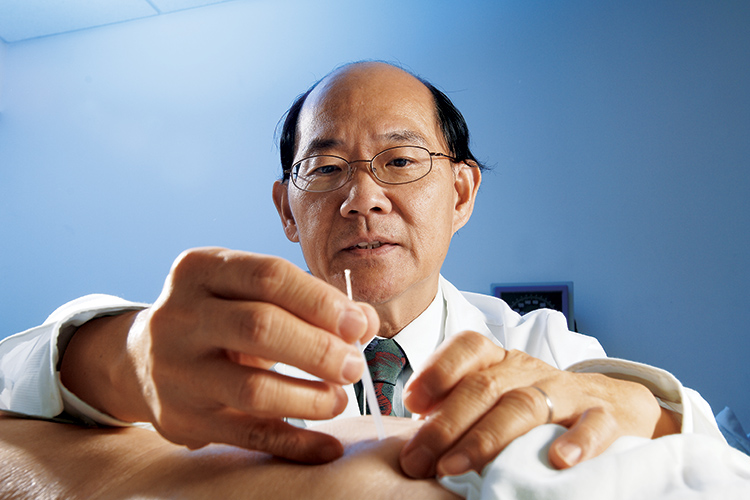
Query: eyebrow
(321, 144)
(408, 136)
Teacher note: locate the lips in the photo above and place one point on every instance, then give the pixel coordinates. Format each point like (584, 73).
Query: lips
(368, 245)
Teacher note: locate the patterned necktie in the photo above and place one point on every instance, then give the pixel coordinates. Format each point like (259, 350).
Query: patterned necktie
(385, 360)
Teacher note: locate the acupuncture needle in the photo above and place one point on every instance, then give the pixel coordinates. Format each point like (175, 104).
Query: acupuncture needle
(372, 400)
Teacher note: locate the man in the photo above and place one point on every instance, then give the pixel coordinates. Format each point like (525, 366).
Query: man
(378, 178)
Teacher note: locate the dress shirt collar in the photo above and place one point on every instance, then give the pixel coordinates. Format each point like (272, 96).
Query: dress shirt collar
(422, 336)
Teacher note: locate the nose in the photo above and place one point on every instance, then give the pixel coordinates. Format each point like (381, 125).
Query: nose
(365, 194)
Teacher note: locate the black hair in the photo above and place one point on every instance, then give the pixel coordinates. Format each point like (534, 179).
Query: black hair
(452, 124)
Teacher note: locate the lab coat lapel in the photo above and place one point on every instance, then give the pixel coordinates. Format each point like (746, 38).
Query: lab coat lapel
(461, 315)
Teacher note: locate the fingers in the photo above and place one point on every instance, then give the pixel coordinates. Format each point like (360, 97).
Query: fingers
(518, 411)
(244, 276)
(460, 355)
(479, 397)
(266, 394)
(218, 401)
(260, 330)
(284, 440)
(452, 442)
(268, 435)
(201, 355)
(594, 431)
(618, 408)
(484, 411)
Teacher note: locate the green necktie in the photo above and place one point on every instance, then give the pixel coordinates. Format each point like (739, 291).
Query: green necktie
(385, 360)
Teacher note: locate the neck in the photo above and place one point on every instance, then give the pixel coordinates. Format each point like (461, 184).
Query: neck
(399, 311)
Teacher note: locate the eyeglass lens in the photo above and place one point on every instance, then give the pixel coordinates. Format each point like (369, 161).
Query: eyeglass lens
(393, 166)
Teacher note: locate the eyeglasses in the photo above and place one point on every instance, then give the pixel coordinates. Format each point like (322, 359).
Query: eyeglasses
(399, 165)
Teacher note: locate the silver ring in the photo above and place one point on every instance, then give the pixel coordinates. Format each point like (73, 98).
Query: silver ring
(550, 406)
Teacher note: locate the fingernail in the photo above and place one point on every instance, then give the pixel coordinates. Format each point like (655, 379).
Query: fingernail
(454, 464)
(419, 463)
(352, 323)
(405, 397)
(419, 399)
(354, 365)
(328, 451)
(341, 401)
(570, 453)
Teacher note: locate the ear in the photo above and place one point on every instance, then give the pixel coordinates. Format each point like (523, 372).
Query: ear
(281, 200)
(467, 178)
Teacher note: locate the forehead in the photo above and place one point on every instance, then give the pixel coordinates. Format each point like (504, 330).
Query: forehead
(368, 105)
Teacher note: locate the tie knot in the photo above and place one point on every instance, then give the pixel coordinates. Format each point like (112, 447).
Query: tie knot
(385, 359)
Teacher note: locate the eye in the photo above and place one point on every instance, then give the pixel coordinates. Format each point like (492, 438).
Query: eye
(321, 166)
(326, 170)
(400, 162)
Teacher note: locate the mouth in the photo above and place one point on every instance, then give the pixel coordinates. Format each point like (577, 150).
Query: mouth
(369, 245)
(366, 245)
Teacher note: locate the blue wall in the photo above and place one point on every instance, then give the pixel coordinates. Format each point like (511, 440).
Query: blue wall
(618, 132)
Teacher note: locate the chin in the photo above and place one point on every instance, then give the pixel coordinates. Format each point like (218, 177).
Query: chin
(377, 288)
(376, 297)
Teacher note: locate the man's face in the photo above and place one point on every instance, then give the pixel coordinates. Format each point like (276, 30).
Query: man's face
(408, 227)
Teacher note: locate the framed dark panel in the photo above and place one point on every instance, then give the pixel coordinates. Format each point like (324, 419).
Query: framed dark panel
(526, 297)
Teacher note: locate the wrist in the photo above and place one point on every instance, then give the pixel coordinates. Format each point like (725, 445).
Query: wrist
(94, 364)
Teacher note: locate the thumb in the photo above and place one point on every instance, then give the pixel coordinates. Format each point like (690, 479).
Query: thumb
(588, 437)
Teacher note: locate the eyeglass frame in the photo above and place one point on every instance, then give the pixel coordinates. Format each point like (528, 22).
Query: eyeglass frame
(350, 171)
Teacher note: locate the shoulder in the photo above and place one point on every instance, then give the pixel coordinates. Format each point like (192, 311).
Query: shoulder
(542, 333)
(495, 310)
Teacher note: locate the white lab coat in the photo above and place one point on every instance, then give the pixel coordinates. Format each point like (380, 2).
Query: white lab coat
(30, 382)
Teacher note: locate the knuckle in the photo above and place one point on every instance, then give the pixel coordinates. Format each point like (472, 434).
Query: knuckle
(474, 341)
(258, 323)
(483, 386)
(520, 358)
(323, 403)
(515, 354)
(324, 352)
(253, 393)
(439, 433)
(523, 401)
(481, 444)
(527, 363)
(269, 275)
(191, 261)
(188, 275)
(321, 299)
(264, 436)
(485, 382)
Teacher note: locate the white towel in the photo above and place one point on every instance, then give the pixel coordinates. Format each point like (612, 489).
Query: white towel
(681, 466)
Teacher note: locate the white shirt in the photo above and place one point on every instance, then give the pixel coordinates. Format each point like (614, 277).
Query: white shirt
(543, 334)
(30, 381)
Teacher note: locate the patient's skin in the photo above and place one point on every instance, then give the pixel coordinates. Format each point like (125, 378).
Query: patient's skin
(46, 460)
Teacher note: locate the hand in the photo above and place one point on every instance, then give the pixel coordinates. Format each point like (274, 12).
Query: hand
(197, 363)
(478, 397)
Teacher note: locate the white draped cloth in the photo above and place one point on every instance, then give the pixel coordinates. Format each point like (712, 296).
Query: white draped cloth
(675, 467)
